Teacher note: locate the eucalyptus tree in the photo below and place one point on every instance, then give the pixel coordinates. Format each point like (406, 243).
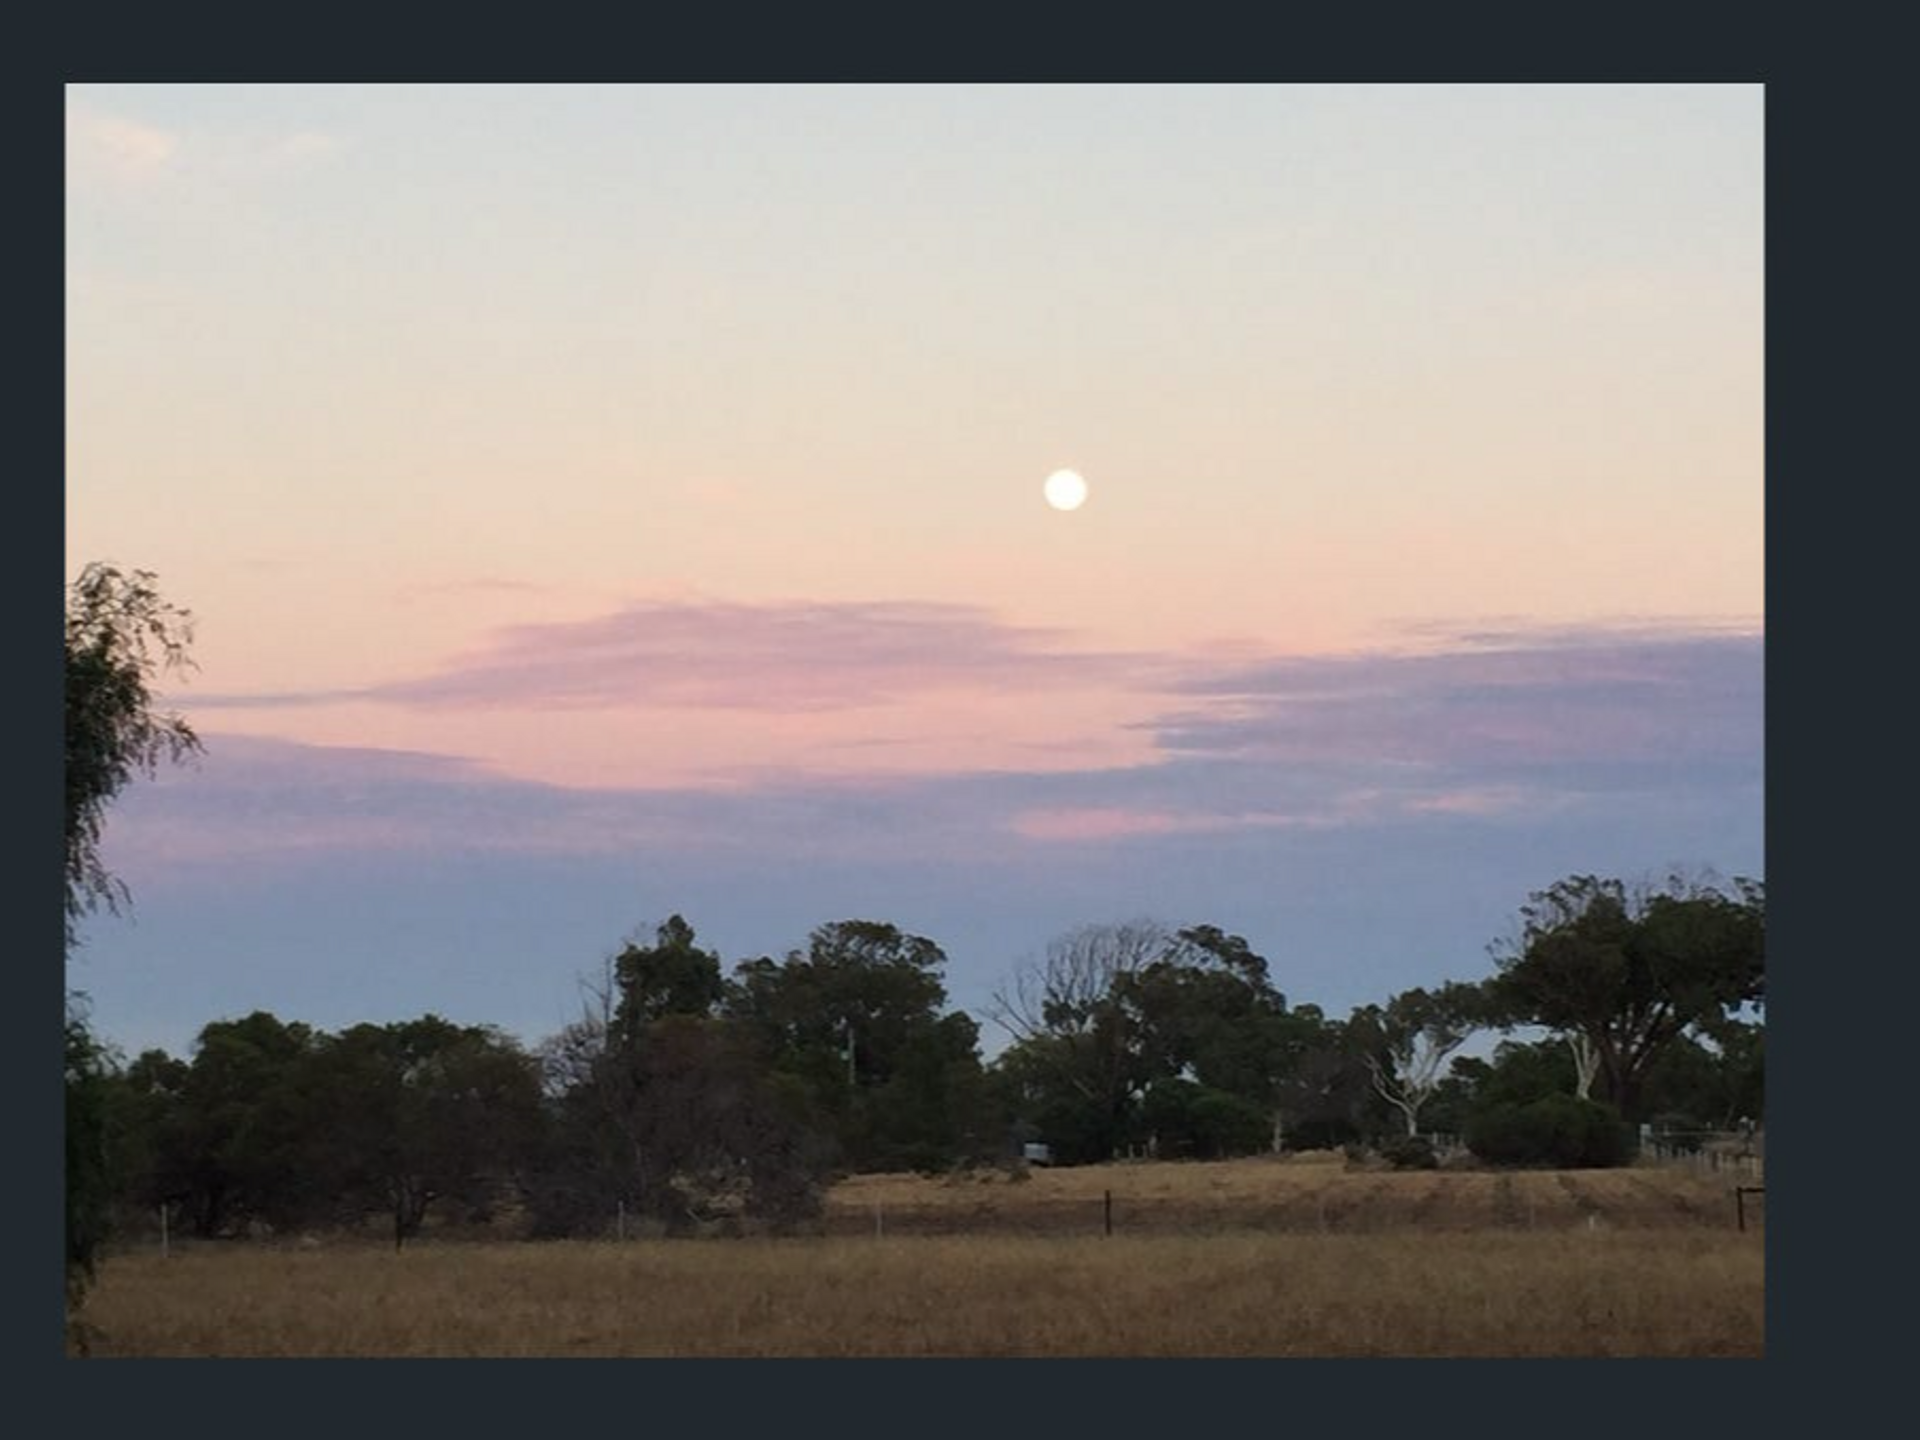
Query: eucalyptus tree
(1628, 970)
(860, 1019)
(667, 1099)
(121, 635)
(408, 1115)
(1407, 1042)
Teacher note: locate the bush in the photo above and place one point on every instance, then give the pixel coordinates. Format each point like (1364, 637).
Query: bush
(1410, 1152)
(1558, 1130)
(1196, 1122)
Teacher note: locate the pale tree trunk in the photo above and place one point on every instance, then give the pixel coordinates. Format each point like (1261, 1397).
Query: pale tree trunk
(1586, 1064)
(1407, 1098)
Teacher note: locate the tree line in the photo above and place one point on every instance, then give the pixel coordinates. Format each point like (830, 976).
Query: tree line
(696, 1098)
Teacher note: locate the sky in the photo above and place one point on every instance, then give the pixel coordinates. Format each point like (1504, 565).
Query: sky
(600, 503)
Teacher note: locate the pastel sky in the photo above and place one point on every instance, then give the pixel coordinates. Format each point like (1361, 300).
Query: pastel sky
(601, 502)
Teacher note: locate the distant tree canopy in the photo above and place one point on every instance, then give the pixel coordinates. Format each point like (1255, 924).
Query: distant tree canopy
(1138, 1037)
(693, 1099)
(276, 1124)
(859, 1022)
(1628, 971)
(673, 976)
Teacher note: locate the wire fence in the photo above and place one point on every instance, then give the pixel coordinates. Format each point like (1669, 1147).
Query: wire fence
(1736, 1153)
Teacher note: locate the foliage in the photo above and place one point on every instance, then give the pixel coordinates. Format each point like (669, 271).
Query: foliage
(234, 1152)
(696, 1102)
(404, 1115)
(1519, 1072)
(1074, 1070)
(1409, 1152)
(1631, 970)
(720, 1137)
(89, 1178)
(1558, 1130)
(1326, 1097)
(1405, 1042)
(1196, 1122)
(858, 1021)
(688, 1117)
(1719, 1082)
(1117, 1015)
(120, 636)
(673, 976)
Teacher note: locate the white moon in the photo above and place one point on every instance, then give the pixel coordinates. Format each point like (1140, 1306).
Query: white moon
(1065, 490)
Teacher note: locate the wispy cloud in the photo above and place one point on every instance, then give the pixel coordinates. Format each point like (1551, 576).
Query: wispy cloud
(104, 145)
(780, 658)
(1578, 696)
(108, 147)
(1582, 725)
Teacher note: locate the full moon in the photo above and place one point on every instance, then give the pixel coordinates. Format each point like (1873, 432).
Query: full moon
(1065, 490)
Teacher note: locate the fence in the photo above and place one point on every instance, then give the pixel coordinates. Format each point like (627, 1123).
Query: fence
(1737, 1153)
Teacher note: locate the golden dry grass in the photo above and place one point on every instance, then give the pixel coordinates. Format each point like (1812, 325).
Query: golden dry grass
(1598, 1293)
(1603, 1263)
(1315, 1193)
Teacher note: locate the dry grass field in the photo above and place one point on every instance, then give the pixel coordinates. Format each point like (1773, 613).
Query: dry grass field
(1246, 1258)
(1315, 1193)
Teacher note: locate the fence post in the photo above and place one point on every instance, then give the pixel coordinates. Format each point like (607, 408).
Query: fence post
(1109, 1212)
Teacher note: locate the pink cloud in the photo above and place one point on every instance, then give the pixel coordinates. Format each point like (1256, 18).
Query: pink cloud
(782, 658)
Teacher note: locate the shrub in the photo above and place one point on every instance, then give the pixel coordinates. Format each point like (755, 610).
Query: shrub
(1196, 1122)
(1560, 1130)
(1410, 1152)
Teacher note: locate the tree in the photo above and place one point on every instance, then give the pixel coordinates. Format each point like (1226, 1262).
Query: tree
(142, 1115)
(409, 1114)
(1410, 1038)
(722, 1137)
(1075, 1066)
(1630, 970)
(89, 1181)
(660, 1106)
(120, 636)
(1061, 993)
(1324, 1094)
(1206, 1012)
(859, 1020)
(239, 1149)
(1137, 1034)
(673, 976)
(1716, 1082)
